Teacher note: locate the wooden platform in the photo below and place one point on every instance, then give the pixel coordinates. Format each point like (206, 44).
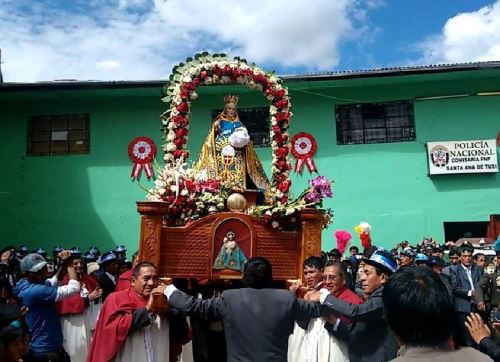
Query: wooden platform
(189, 252)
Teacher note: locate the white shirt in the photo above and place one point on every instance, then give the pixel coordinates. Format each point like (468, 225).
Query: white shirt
(469, 276)
(112, 277)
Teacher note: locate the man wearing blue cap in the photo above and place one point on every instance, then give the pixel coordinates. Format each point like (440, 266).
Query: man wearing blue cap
(40, 295)
(108, 273)
(368, 337)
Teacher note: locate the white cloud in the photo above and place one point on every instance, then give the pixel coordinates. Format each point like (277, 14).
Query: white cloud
(107, 64)
(473, 36)
(141, 39)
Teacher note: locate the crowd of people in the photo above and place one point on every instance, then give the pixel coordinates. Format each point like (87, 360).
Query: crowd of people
(405, 304)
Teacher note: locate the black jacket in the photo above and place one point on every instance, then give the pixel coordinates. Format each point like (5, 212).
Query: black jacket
(491, 348)
(368, 337)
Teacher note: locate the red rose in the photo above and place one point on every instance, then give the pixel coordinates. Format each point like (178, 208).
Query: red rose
(284, 186)
(282, 117)
(267, 217)
(217, 71)
(193, 186)
(279, 94)
(284, 199)
(178, 153)
(180, 132)
(196, 82)
(203, 74)
(283, 165)
(281, 152)
(283, 103)
(269, 92)
(180, 121)
(183, 107)
(179, 142)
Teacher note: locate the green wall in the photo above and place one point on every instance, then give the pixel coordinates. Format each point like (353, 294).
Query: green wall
(90, 199)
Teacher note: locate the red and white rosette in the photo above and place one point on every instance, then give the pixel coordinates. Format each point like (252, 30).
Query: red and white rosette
(303, 148)
(141, 151)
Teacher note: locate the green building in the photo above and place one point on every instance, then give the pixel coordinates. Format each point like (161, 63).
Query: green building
(66, 171)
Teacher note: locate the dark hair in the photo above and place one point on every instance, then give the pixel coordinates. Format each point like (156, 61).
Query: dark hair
(258, 273)
(418, 307)
(314, 262)
(464, 249)
(340, 266)
(476, 256)
(143, 264)
(354, 247)
(454, 252)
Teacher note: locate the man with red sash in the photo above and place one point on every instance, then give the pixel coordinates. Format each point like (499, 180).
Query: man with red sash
(76, 332)
(131, 325)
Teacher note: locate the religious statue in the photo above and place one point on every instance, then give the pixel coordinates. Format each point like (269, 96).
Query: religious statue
(228, 153)
(230, 255)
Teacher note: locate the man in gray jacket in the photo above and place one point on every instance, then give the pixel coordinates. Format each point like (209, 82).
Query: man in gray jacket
(257, 319)
(368, 337)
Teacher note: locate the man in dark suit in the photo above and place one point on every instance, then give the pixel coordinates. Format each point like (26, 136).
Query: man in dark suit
(107, 273)
(257, 319)
(465, 277)
(368, 337)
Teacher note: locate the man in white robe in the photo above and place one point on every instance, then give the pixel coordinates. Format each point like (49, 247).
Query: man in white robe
(132, 325)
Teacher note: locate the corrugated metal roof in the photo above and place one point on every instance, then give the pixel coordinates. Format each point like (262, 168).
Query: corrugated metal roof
(68, 84)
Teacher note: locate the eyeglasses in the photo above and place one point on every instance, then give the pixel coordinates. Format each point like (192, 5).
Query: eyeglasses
(330, 277)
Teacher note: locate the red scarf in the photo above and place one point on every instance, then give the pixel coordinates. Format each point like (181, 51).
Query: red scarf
(76, 304)
(113, 324)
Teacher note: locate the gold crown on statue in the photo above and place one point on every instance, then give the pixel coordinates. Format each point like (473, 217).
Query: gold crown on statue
(231, 98)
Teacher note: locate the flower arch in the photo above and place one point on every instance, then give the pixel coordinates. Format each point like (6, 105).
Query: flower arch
(207, 69)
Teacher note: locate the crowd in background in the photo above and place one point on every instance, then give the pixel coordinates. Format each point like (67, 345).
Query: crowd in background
(471, 280)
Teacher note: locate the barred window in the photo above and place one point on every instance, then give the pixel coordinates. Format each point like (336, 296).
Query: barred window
(375, 123)
(256, 121)
(58, 135)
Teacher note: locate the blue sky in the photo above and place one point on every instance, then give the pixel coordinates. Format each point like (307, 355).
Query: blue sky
(143, 39)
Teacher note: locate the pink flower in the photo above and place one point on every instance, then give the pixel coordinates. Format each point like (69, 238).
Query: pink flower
(322, 186)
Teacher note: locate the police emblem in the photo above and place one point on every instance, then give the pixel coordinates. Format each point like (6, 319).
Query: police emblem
(440, 156)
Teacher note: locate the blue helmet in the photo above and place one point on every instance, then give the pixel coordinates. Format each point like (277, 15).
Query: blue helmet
(75, 251)
(57, 249)
(106, 257)
(89, 257)
(40, 251)
(121, 248)
(94, 250)
(23, 249)
(421, 258)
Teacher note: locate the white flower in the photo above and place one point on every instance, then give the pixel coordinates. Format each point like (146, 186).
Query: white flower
(184, 192)
(171, 147)
(275, 224)
(268, 213)
(186, 78)
(171, 136)
(208, 80)
(273, 110)
(174, 112)
(194, 95)
(289, 211)
(160, 183)
(173, 188)
(220, 206)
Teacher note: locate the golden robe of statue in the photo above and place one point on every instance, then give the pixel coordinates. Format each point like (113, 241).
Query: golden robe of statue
(228, 154)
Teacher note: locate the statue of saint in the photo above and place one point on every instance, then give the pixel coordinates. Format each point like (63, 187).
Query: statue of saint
(230, 255)
(228, 153)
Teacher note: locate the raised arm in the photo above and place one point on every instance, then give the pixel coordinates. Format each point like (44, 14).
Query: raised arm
(205, 308)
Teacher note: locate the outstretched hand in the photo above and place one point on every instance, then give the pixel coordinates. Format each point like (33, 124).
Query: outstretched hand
(477, 328)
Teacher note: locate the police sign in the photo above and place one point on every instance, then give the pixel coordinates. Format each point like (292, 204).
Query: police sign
(451, 157)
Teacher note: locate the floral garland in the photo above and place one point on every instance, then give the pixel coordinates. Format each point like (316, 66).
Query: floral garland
(206, 69)
(285, 216)
(189, 195)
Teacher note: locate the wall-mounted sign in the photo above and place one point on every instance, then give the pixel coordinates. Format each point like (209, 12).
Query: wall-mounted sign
(476, 156)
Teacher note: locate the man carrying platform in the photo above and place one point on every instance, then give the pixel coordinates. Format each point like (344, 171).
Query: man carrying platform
(132, 326)
(257, 319)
